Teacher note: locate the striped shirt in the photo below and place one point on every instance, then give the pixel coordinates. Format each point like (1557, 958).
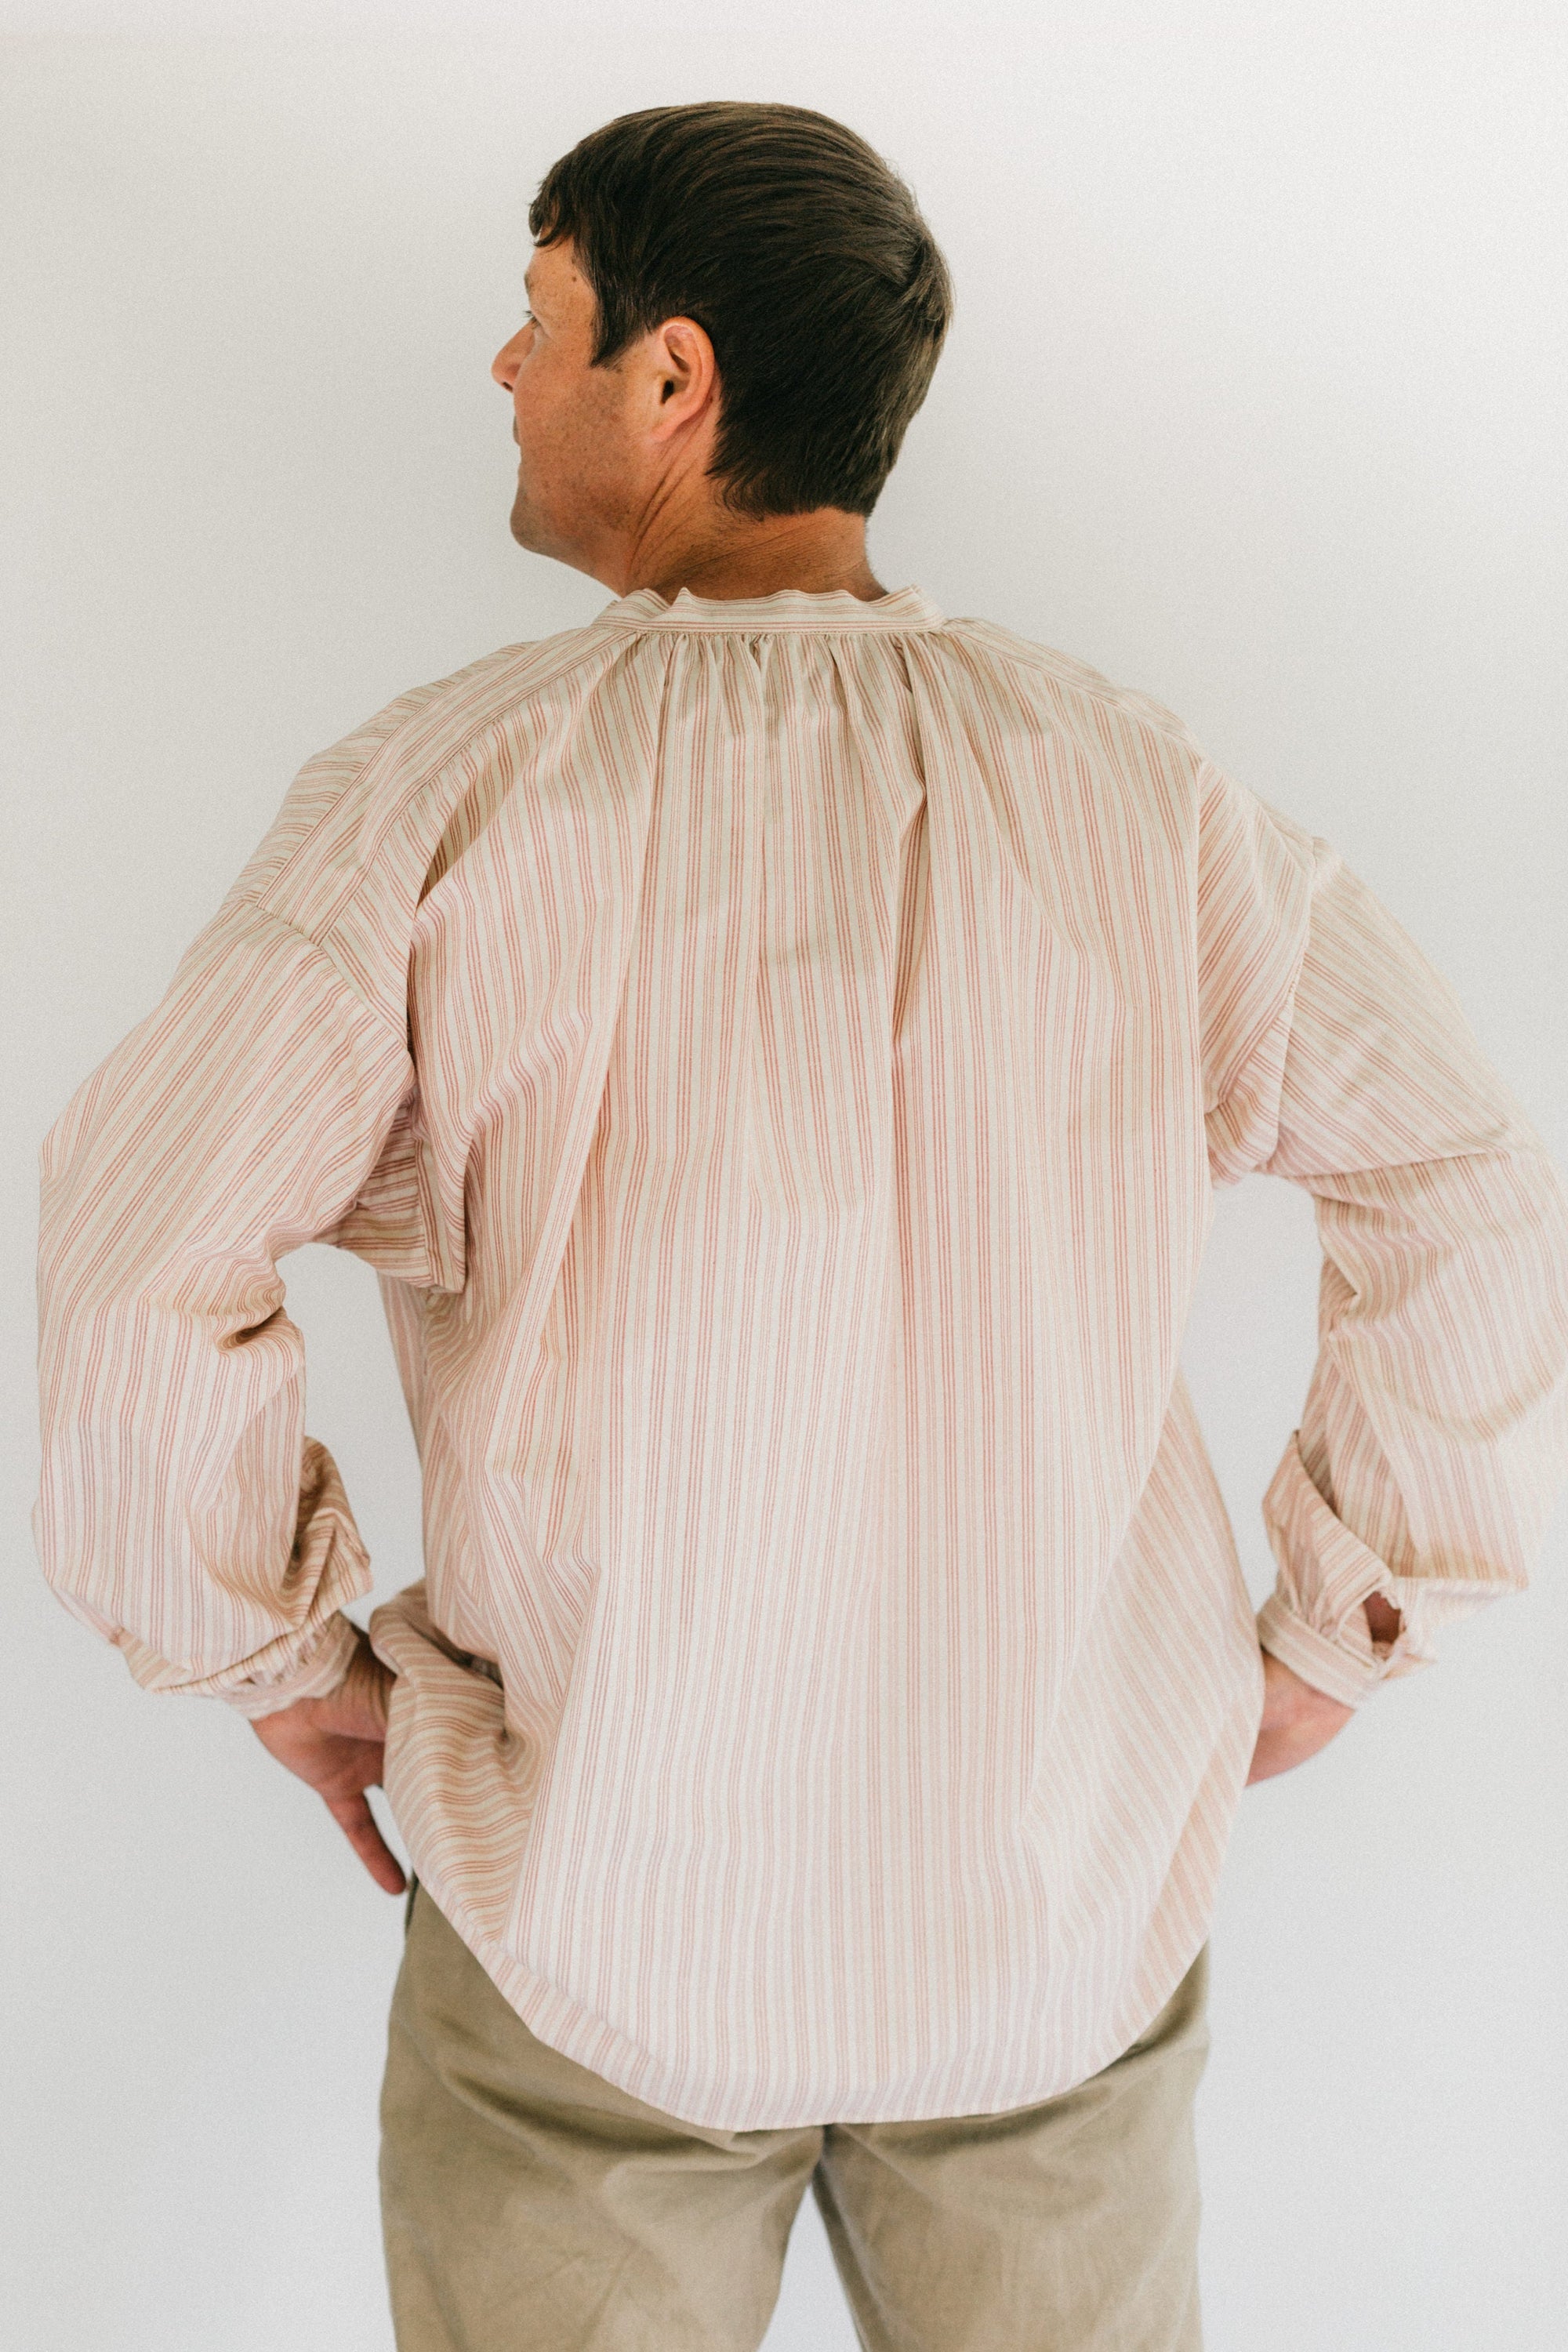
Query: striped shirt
(777, 1055)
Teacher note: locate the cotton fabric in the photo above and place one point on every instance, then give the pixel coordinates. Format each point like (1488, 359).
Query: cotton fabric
(777, 1055)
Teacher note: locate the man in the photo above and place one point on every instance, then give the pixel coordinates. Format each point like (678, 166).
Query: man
(776, 1045)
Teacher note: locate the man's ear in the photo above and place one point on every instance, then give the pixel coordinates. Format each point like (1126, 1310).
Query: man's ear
(684, 376)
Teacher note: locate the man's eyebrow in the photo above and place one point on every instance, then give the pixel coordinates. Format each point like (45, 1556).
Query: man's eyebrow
(528, 282)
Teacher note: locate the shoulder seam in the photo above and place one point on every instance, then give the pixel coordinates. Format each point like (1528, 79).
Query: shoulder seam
(229, 917)
(387, 750)
(1024, 653)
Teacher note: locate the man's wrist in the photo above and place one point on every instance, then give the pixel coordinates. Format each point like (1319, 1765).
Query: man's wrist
(316, 1675)
(1330, 1665)
(1384, 1621)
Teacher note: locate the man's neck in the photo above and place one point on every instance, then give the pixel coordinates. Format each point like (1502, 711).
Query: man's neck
(739, 556)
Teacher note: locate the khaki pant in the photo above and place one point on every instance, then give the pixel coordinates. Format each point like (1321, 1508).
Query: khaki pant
(529, 2206)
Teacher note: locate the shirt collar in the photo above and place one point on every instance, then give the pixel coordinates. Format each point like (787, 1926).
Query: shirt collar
(786, 608)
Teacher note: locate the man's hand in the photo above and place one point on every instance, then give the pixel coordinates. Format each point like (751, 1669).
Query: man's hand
(334, 1744)
(1297, 1719)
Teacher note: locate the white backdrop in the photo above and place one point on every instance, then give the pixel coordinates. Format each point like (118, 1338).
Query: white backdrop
(1253, 400)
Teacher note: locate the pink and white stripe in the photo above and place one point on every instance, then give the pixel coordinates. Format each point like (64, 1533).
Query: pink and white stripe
(777, 1054)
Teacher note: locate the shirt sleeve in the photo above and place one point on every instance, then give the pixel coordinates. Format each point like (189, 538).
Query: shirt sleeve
(184, 1514)
(1433, 1438)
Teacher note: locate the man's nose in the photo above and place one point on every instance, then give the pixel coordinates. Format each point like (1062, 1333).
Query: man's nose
(503, 367)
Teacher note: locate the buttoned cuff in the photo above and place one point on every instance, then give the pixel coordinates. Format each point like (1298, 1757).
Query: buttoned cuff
(319, 1670)
(329, 1568)
(1314, 1621)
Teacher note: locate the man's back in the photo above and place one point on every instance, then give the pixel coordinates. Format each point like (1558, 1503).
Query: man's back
(776, 1052)
(776, 1046)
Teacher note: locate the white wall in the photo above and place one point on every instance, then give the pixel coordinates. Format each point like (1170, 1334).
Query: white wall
(1253, 401)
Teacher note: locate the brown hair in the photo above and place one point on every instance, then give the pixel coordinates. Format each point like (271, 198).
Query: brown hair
(802, 254)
